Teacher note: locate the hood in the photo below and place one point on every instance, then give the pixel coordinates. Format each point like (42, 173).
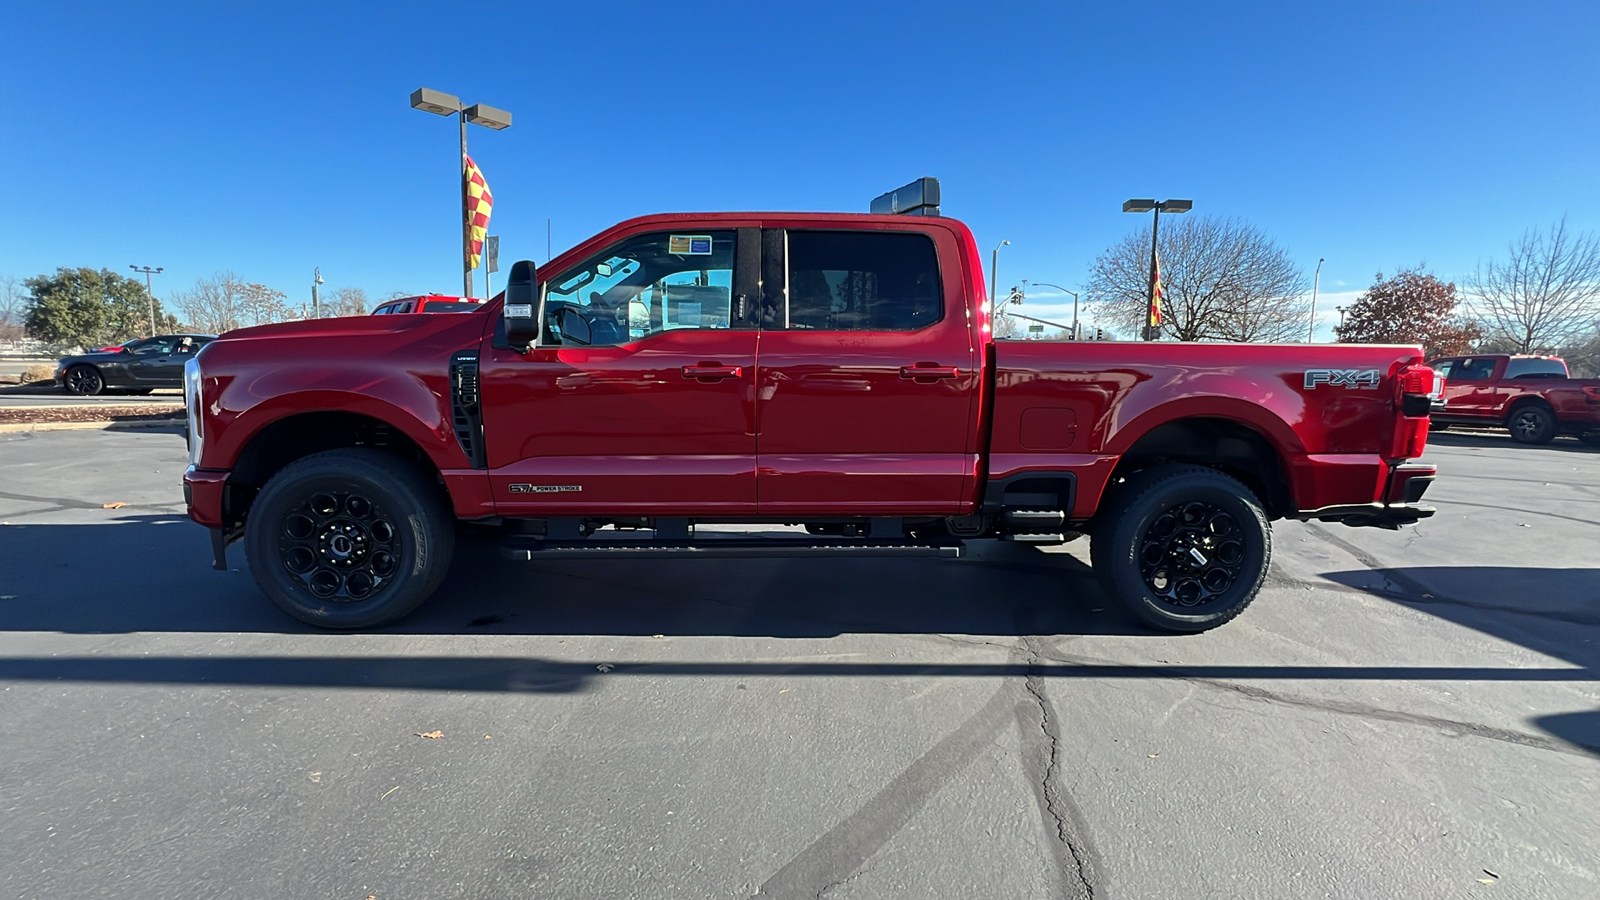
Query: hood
(342, 326)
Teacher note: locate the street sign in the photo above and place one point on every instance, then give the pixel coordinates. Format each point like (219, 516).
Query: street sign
(919, 198)
(491, 252)
(1037, 329)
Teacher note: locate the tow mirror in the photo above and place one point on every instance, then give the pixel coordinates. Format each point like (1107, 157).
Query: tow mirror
(521, 308)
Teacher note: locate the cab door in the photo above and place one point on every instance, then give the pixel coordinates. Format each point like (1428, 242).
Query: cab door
(1470, 387)
(868, 375)
(640, 398)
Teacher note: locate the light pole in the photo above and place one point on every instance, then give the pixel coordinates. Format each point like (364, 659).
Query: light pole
(1168, 206)
(994, 270)
(1341, 317)
(316, 301)
(148, 294)
(442, 104)
(1074, 303)
(1311, 333)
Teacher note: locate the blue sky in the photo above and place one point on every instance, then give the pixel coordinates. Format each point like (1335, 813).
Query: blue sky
(268, 141)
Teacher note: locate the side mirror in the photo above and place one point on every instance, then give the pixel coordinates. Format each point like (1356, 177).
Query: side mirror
(521, 308)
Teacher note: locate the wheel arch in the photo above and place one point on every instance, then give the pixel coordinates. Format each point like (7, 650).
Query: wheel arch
(285, 440)
(1226, 444)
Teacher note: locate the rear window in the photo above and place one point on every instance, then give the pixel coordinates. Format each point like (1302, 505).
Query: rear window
(450, 306)
(862, 281)
(1536, 368)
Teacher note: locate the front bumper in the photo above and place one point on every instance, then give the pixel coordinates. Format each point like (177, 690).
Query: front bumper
(1401, 504)
(202, 493)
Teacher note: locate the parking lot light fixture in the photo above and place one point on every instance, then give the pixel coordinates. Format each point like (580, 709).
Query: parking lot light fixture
(441, 104)
(1161, 206)
(994, 269)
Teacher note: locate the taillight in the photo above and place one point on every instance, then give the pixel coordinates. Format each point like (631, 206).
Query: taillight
(1416, 379)
(1414, 385)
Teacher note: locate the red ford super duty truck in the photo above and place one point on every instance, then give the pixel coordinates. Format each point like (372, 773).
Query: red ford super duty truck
(1533, 396)
(835, 372)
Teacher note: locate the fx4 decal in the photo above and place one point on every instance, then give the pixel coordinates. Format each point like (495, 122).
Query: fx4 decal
(1361, 379)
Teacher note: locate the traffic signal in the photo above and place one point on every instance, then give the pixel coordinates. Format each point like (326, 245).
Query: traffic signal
(1099, 334)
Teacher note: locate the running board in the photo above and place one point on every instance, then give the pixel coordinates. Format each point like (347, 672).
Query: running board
(525, 548)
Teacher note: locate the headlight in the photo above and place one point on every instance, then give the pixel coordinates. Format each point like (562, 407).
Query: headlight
(191, 404)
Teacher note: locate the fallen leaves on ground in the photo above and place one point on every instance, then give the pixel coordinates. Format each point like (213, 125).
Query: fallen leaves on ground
(604, 667)
(431, 735)
(115, 504)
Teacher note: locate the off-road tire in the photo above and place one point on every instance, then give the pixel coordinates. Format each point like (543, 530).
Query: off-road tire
(1532, 423)
(350, 538)
(1184, 548)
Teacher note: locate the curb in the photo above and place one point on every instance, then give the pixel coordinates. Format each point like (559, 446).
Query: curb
(26, 427)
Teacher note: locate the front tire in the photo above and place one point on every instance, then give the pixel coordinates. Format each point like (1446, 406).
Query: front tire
(1532, 423)
(350, 538)
(85, 381)
(1183, 547)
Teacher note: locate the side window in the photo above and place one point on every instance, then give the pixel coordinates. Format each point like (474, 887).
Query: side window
(1476, 369)
(153, 346)
(383, 310)
(862, 281)
(1536, 367)
(643, 286)
(1442, 369)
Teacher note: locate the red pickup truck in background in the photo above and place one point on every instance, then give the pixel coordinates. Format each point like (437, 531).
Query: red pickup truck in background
(831, 371)
(429, 303)
(1533, 396)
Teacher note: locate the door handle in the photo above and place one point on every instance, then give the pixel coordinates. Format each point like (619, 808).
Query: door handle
(921, 372)
(712, 371)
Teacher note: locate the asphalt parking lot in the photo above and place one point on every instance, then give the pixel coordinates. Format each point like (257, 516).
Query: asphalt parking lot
(1412, 714)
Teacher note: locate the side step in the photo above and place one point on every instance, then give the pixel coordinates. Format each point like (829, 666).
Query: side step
(525, 548)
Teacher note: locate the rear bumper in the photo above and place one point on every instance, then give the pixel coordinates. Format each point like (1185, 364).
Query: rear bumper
(1401, 504)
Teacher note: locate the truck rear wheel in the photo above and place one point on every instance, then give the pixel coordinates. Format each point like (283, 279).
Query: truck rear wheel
(1183, 547)
(349, 539)
(1532, 423)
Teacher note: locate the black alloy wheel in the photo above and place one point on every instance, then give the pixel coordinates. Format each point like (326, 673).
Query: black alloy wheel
(1183, 547)
(1532, 423)
(349, 538)
(84, 380)
(1191, 554)
(341, 544)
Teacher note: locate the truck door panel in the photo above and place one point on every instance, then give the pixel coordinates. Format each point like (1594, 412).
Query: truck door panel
(867, 376)
(656, 414)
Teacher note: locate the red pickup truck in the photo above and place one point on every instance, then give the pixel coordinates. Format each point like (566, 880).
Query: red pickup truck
(831, 371)
(1533, 396)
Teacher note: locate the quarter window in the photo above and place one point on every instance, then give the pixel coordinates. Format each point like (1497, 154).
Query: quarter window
(862, 281)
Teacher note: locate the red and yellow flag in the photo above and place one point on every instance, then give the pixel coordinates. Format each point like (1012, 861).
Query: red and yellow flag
(479, 204)
(1157, 293)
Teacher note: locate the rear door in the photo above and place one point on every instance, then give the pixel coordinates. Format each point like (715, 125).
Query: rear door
(868, 375)
(640, 397)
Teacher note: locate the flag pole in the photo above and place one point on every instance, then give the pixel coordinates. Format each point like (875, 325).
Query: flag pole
(466, 215)
(1150, 305)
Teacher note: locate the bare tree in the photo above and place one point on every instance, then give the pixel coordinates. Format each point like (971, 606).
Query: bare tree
(223, 302)
(1223, 280)
(347, 301)
(13, 301)
(1547, 292)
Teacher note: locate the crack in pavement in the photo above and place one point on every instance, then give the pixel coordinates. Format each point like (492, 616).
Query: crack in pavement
(1363, 710)
(62, 503)
(1055, 805)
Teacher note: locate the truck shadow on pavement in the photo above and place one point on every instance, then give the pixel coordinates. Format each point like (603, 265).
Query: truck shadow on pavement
(152, 573)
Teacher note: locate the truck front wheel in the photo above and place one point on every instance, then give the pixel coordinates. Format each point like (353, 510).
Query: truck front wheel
(349, 539)
(1184, 548)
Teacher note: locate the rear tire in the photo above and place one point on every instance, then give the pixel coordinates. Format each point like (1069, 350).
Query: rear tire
(350, 538)
(1532, 423)
(1183, 547)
